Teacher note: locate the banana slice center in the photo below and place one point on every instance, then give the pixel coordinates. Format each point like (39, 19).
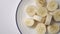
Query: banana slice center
(31, 9)
(52, 4)
(53, 28)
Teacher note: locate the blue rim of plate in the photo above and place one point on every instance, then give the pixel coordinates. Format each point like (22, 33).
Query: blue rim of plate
(16, 17)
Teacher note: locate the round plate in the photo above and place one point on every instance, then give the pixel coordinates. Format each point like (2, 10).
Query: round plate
(21, 15)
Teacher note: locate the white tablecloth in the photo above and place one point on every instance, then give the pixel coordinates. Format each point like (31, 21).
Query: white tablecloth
(7, 16)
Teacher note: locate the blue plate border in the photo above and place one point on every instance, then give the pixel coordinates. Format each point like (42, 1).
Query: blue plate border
(16, 17)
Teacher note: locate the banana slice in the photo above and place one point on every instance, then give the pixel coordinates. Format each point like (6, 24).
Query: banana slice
(37, 18)
(29, 22)
(53, 29)
(42, 11)
(48, 19)
(40, 28)
(31, 10)
(41, 2)
(52, 5)
(56, 15)
(43, 20)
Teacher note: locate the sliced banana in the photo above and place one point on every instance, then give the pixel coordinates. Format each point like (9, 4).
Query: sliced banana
(31, 10)
(37, 18)
(42, 11)
(41, 2)
(53, 29)
(29, 21)
(43, 20)
(41, 28)
(56, 15)
(52, 5)
(51, 13)
(48, 19)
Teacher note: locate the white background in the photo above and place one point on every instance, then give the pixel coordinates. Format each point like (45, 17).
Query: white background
(7, 16)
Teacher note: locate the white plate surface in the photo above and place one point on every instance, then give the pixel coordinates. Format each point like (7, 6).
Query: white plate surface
(21, 15)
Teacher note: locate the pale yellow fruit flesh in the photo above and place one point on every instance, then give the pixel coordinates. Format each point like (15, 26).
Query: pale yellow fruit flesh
(48, 19)
(29, 22)
(53, 29)
(52, 5)
(42, 11)
(40, 28)
(31, 10)
(56, 15)
(41, 2)
(37, 18)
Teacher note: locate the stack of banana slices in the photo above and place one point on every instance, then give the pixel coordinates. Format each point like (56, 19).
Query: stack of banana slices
(44, 15)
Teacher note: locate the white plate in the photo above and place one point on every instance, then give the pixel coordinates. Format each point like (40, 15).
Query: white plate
(21, 15)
